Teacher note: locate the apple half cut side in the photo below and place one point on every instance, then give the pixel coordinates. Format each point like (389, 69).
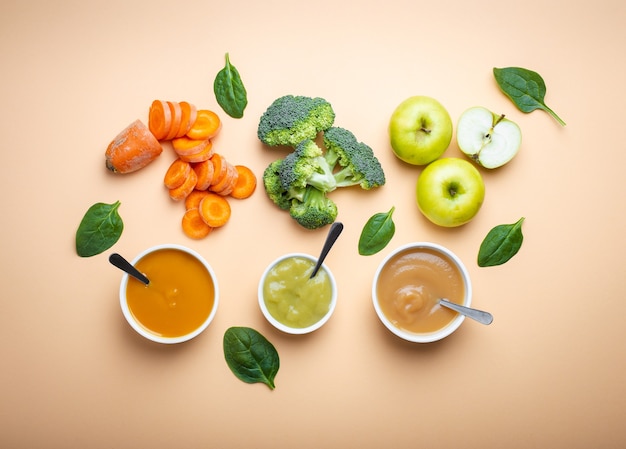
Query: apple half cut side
(489, 139)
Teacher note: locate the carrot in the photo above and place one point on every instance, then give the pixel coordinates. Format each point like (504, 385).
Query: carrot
(246, 183)
(132, 149)
(214, 210)
(206, 126)
(204, 170)
(177, 116)
(176, 174)
(181, 192)
(184, 146)
(193, 199)
(199, 156)
(188, 117)
(159, 119)
(228, 181)
(219, 167)
(194, 226)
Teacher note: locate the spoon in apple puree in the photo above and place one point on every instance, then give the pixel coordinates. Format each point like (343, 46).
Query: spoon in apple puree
(475, 314)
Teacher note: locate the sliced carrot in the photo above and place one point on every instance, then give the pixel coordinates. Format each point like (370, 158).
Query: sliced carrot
(177, 116)
(176, 173)
(246, 183)
(159, 119)
(193, 199)
(219, 167)
(132, 149)
(181, 192)
(206, 126)
(214, 210)
(227, 184)
(204, 170)
(202, 155)
(194, 226)
(184, 146)
(188, 117)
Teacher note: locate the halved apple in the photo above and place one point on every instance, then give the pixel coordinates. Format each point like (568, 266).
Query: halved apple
(489, 139)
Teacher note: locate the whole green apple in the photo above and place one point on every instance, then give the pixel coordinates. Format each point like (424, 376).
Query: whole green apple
(450, 192)
(420, 130)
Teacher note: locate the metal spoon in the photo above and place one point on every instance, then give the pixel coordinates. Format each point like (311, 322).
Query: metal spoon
(478, 315)
(333, 233)
(127, 267)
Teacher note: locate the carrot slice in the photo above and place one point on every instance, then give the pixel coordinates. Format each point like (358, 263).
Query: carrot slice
(214, 210)
(176, 173)
(206, 126)
(226, 185)
(193, 199)
(194, 226)
(132, 149)
(204, 170)
(159, 119)
(246, 183)
(219, 167)
(177, 116)
(200, 156)
(184, 146)
(188, 117)
(181, 192)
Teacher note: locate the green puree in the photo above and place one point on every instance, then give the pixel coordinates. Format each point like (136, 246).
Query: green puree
(292, 298)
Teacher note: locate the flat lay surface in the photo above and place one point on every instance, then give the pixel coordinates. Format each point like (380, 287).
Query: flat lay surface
(547, 373)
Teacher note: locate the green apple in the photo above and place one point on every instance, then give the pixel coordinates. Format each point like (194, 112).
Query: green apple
(489, 139)
(450, 191)
(420, 130)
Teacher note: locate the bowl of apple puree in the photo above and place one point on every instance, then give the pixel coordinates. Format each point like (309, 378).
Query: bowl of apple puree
(408, 285)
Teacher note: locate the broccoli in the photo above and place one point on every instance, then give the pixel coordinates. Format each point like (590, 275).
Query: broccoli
(306, 166)
(315, 210)
(352, 162)
(274, 189)
(291, 119)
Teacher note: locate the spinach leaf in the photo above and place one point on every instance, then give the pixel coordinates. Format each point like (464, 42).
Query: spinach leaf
(250, 356)
(377, 233)
(99, 229)
(500, 244)
(229, 90)
(525, 88)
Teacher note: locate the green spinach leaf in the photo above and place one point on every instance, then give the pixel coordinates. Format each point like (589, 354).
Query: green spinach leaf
(229, 90)
(250, 356)
(500, 244)
(377, 233)
(99, 229)
(525, 88)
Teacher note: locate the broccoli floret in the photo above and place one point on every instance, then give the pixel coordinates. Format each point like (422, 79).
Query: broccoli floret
(291, 119)
(353, 162)
(306, 166)
(273, 187)
(315, 210)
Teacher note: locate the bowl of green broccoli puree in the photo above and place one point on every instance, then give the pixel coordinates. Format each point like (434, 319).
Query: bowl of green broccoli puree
(292, 301)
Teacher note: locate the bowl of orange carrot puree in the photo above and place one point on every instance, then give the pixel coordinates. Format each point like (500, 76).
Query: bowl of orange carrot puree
(408, 284)
(181, 299)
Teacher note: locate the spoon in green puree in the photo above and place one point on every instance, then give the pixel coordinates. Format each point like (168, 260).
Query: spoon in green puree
(127, 267)
(333, 233)
(478, 315)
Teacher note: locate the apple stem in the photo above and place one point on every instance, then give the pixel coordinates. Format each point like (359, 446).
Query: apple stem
(426, 130)
(499, 120)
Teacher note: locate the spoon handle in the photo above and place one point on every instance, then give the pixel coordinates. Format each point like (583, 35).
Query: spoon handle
(478, 315)
(126, 266)
(335, 230)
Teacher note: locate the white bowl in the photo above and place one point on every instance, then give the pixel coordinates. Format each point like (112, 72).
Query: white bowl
(448, 329)
(153, 336)
(297, 330)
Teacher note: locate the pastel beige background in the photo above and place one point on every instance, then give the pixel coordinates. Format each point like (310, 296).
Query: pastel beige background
(548, 373)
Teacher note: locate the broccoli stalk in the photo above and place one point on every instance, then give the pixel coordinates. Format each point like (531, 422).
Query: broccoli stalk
(307, 166)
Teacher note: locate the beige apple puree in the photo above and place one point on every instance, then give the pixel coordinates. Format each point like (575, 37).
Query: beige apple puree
(410, 285)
